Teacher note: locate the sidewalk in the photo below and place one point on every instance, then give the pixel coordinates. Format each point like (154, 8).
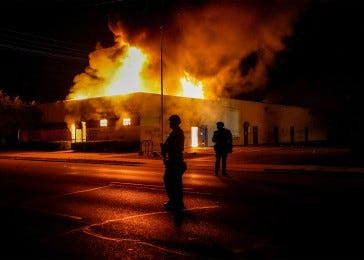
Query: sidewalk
(96, 157)
(76, 157)
(191, 154)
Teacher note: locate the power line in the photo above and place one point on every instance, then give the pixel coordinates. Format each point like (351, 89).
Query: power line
(56, 3)
(44, 53)
(29, 44)
(35, 44)
(45, 38)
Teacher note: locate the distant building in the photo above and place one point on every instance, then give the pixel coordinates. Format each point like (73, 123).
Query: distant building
(137, 119)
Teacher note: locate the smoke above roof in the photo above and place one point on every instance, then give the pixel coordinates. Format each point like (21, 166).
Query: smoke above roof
(228, 46)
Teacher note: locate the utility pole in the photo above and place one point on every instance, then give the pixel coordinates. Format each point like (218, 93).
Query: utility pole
(161, 69)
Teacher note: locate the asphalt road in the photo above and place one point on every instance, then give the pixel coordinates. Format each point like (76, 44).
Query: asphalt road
(67, 206)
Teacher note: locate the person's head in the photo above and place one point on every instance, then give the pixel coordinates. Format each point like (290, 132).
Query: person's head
(219, 125)
(174, 121)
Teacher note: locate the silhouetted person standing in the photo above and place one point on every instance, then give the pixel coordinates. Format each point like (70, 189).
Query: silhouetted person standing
(223, 145)
(172, 151)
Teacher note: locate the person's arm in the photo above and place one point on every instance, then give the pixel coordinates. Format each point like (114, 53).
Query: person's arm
(164, 148)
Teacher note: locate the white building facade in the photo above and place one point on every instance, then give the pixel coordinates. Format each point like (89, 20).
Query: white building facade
(143, 118)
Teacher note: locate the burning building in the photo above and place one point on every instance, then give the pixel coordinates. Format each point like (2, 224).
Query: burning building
(136, 120)
(191, 67)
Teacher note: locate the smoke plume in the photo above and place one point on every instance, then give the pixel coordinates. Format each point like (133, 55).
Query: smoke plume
(227, 45)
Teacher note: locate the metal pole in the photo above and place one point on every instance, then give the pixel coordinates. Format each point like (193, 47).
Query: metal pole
(162, 98)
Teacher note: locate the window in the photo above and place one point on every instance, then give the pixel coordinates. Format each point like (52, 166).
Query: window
(126, 121)
(103, 122)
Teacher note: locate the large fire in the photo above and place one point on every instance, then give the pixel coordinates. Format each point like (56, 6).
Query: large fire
(126, 75)
(191, 87)
(221, 49)
(218, 49)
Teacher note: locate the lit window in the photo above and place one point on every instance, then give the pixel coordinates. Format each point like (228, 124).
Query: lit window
(126, 121)
(103, 122)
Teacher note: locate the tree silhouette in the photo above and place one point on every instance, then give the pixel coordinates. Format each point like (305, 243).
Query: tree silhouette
(16, 116)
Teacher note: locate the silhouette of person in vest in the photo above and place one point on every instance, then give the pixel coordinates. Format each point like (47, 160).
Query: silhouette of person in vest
(223, 146)
(172, 152)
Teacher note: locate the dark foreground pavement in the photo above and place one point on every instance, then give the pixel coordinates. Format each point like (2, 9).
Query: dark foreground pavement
(293, 217)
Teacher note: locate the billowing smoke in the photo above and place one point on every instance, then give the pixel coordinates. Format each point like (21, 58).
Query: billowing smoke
(227, 45)
(230, 46)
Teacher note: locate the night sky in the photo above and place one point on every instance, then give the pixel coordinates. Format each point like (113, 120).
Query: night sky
(44, 44)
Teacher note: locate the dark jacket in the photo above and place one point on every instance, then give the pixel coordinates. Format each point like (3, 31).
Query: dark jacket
(223, 140)
(174, 145)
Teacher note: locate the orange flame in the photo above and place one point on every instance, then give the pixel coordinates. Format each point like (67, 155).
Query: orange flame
(191, 87)
(128, 78)
(125, 76)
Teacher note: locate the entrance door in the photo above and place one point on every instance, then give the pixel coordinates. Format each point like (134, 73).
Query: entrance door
(255, 135)
(203, 136)
(78, 132)
(276, 135)
(291, 133)
(306, 134)
(194, 136)
(199, 137)
(246, 133)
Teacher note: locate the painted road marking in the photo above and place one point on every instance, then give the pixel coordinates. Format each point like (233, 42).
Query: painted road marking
(87, 229)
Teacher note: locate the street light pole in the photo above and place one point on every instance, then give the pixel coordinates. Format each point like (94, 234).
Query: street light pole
(161, 70)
